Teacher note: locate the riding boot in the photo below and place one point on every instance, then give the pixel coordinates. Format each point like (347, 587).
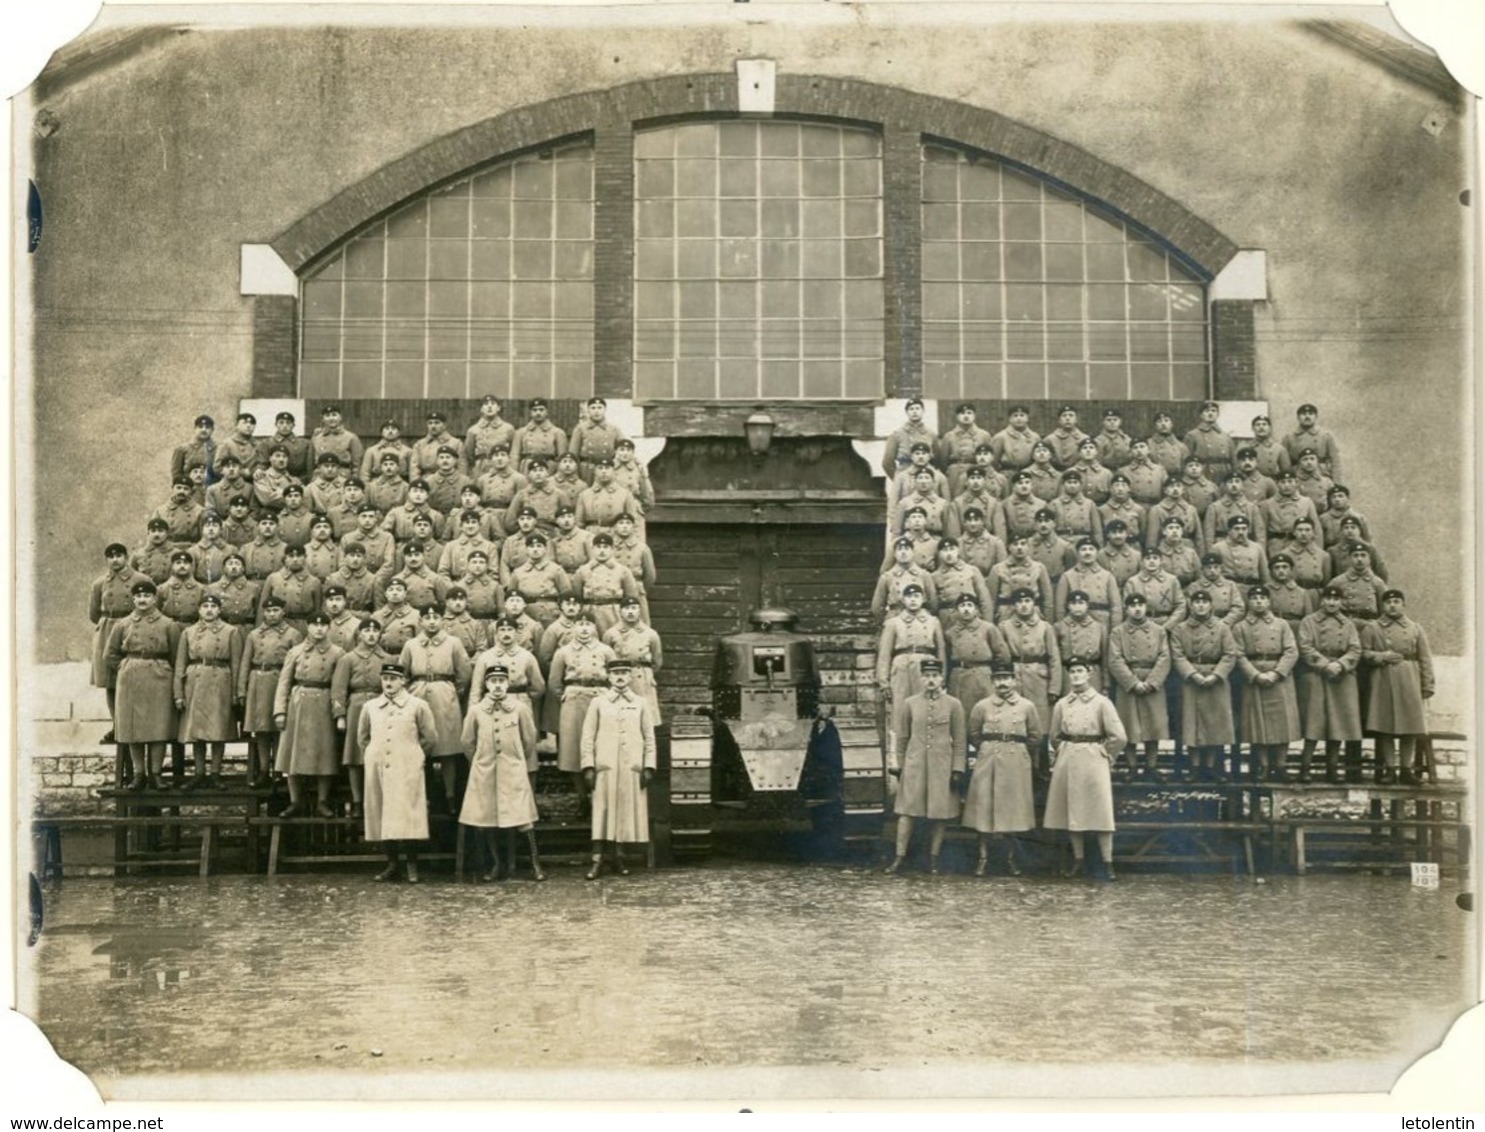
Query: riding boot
(596, 870)
(492, 846)
(536, 873)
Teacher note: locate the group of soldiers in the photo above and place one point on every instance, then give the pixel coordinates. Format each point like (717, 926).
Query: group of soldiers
(307, 594)
(1081, 598)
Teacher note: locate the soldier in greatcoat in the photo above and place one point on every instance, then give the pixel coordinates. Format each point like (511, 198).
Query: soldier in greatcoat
(396, 732)
(1329, 650)
(438, 670)
(1396, 648)
(1003, 731)
(973, 645)
(109, 602)
(263, 656)
(1139, 664)
(1018, 571)
(356, 679)
(538, 438)
(540, 581)
(602, 583)
(206, 668)
(617, 752)
(1081, 636)
(1086, 734)
(593, 438)
(956, 448)
(1032, 644)
(1203, 653)
(1012, 445)
(954, 579)
(639, 644)
(579, 671)
(887, 598)
(489, 432)
(895, 453)
(928, 757)
(1104, 601)
(1267, 655)
(500, 736)
(907, 637)
(301, 711)
(141, 650)
(524, 671)
(1209, 443)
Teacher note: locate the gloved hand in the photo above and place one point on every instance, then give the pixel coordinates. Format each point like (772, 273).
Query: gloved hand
(956, 782)
(646, 777)
(590, 776)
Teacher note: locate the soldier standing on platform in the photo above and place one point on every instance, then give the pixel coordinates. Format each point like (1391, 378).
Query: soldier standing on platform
(630, 549)
(391, 444)
(1049, 548)
(526, 681)
(900, 442)
(378, 544)
(332, 438)
(396, 732)
(639, 644)
(907, 637)
(1310, 438)
(571, 546)
(179, 598)
(242, 445)
(1232, 503)
(603, 503)
(482, 587)
(1004, 730)
(1174, 506)
(1097, 479)
(977, 546)
(1115, 447)
(1289, 599)
(263, 656)
(356, 679)
(321, 554)
(1226, 595)
(1016, 514)
(1082, 637)
(541, 581)
(141, 651)
(1116, 555)
(1198, 489)
(974, 494)
(399, 620)
(1204, 653)
(1270, 455)
(271, 480)
(1396, 649)
(109, 602)
(565, 480)
(354, 578)
(498, 486)
(295, 586)
(929, 759)
(343, 623)
(956, 448)
(1241, 560)
(490, 431)
(1267, 655)
(1209, 443)
(265, 554)
(593, 438)
(538, 496)
(1146, 475)
(1032, 645)
(1046, 476)
(1166, 601)
(500, 736)
(618, 759)
(200, 451)
(207, 663)
(1312, 483)
(578, 673)
(231, 483)
(152, 557)
(1099, 585)
(1139, 665)
(387, 490)
(887, 599)
(1283, 511)
(1012, 445)
(1065, 438)
(425, 450)
(470, 632)
(1180, 555)
(1018, 571)
(1254, 484)
(528, 630)
(1338, 509)
(181, 514)
(301, 712)
(954, 579)
(631, 474)
(1330, 710)
(972, 644)
(438, 671)
(537, 439)
(1077, 515)
(446, 480)
(1166, 449)
(1086, 733)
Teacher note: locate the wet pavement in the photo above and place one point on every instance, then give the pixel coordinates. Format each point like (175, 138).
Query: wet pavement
(1159, 983)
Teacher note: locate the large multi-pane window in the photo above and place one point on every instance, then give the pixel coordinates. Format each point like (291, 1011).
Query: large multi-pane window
(482, 286)
(758, 261)
(1030, 292)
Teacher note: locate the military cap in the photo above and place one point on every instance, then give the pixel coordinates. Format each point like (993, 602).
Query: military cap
(1205, 405)
(1072, 475)
(1136, 599)
(1067, 409)
(414, 547)
(1021, 591)
(1021, 477)
(1115, 525)
(210, 599)
(431, 609)
(335, 591)
(490, 399)
(973, 513)
(565, 509)
(294, 551)
(1163, 416)
(628, 601)
(538, 462)
(157, 525)
(1264, 417)
(535, 539)
(601, 462)
(181, 481)
(182, 556)
(912, 588)
(1306, 408)
(142, 587)
(1152, 551)
(420, 483)
(448, 450)
(1338, 489)
(618, 664)
(234, 554)
(273, 601)
(596, 401)
(948, 540)
(1002, 668)
(1112, 415)
(1233, 477)
(975, 470)
(229, 459)
(1078, 595)
(1085, 540)
(277, 448)
(1333, 590)
(920, 446)
(1118, 477)
(602, 539)
(902, 542)
(390, 423)
(1259, 590)
(1388, 595)
(246, 417)
(1281, 557)
(204, 421)
(506, 623)
(394, 580)
(294, 489)
(390, 458)
(1211, 559)
(539, 403)
(455, 591)
(527, 510)
(1247, 453)
(1077, 662)
(1088, 442)
(327, 458)
(499, 670)
(480, 554)
(930, 665)
(623, 442)
(115, 548)
(435, 415)
(1192, 459)
(469, 516)
(501, 447)
(1045, 513)
(1238, 521)
(911, 511)
(1199, 594)
(1014, 409)
(368, 508)
(963, 407)
(394, 669)
(911, 401)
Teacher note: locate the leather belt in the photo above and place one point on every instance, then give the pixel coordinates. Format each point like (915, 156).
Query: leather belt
(970, 663)
(1088, 661)
(147, 656)
(603, 600)
(1264, 655)
(1040, 658)
(210, 664)
(433, 679)
(1001, 737)
(1081, 738)
(316, 684)
(585, 684)
(268, 667)
(916, 649)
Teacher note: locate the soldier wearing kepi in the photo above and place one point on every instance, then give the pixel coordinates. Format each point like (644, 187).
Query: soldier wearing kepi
(928, 731)
(1087, 733)
(1004, 730)
(500, 736)
(618, 764)
(1267, 654)
(1396, 649)
(396, 732)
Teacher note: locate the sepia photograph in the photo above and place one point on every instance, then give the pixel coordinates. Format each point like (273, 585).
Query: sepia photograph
(788, 552)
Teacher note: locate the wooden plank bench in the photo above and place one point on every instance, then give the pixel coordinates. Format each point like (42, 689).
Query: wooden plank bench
(1149, 835)
(1379, 832)
(277, 856)
(48, 832)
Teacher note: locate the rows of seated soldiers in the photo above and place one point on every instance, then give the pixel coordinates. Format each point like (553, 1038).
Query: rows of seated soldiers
(1225, 592)
(283, 571)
